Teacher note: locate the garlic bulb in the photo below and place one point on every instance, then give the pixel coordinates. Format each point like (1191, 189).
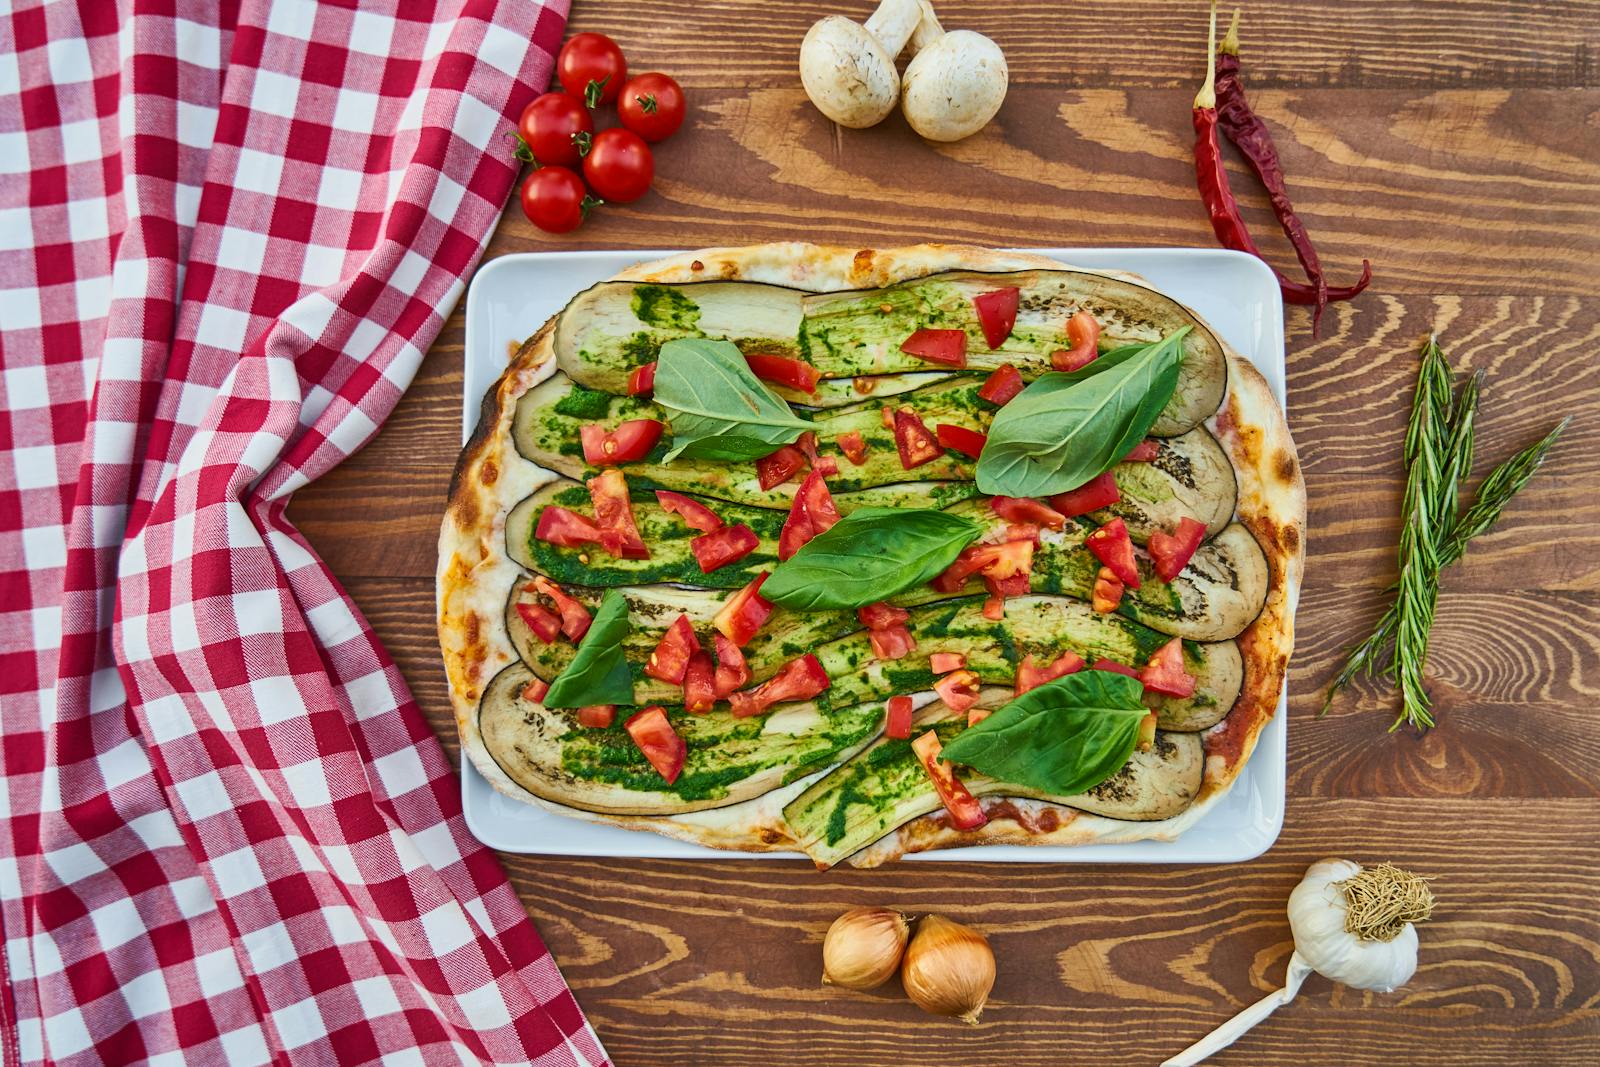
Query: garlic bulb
(1374, 948)
(949, 969)
(863, 948)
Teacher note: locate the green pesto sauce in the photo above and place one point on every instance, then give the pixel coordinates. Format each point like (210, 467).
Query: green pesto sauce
(583, 403)
(665, 308)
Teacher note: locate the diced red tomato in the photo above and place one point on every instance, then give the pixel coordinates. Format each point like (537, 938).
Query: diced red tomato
(672, 653)
(1143, 452)
(911, 437)
(1165, 673)
(812, 512)
(574, 616)
(1094, 494)
(536, 690)
(559, 526)
(544, 623)
(1172, 552)
(643, 379)
(695, 514)
(1114, 666)
(722, 547)
(897, 717)
(994, 608)
(777, 468)
(1002, 386)
(1030, 676)
(799, 679)
(853, 447)
(960, 439)
(887, 416)
(1112, 546)
(613, 513)
(977, 715)
(1107, 592)
(630, 441)
(744, 613)
(1003, 560)
(1084, 333)
(958, 689)
(780, 370)
(945, 662)
(597, 716)
(1015, 585)
(1022, 531)
(882, 615)
(997, 314)
(1027, 509)
(658, 741)
(826, 466)
(938, 346)
(732, 671)
(965, 811)
(894, 642)
(699, 684)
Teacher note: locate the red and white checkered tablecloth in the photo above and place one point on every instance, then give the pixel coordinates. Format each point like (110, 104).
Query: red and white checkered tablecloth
(228, 232)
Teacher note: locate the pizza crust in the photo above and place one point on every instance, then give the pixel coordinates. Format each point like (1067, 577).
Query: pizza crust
(475, 574)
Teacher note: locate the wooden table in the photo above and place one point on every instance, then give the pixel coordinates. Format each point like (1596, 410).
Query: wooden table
(1457, 145)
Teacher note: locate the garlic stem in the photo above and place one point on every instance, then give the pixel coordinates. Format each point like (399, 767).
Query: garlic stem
(1234, 1028)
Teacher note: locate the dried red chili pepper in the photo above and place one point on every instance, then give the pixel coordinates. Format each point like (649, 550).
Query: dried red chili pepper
(1226, 221)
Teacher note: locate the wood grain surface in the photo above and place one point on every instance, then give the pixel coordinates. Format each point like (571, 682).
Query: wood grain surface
(1456, 144)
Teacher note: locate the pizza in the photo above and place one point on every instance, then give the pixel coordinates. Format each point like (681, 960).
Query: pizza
(612, 521)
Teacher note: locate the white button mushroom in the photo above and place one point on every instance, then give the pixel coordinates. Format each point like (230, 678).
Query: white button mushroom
(848, 69)
(956, 82)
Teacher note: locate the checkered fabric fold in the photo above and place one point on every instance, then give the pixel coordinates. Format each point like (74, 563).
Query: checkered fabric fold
(228, 232)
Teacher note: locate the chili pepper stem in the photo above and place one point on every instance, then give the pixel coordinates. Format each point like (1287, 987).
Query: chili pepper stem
(1230, 40)
(1207, 96)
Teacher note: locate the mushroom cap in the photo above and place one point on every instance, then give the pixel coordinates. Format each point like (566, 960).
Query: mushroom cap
(954, 86)
(848, 73)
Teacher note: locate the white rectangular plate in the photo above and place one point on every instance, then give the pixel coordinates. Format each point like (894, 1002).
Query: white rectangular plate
(512, 296)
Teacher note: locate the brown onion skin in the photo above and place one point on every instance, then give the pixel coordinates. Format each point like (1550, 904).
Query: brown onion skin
(863, 947)
(948, 969)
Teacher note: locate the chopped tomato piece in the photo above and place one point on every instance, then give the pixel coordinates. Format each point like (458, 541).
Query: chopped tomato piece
(1022, 531)
(916, 445)
(744, 613)
(882, 615)
(997, 314)
(658, 741)
(960, 439)
(1147, 732)
(732, 671)
(671, 656)
(893, 642)
(977, 715)
(799, 679)
(945, 662)
(574, 616)
(1027, 509)
(597, 716)
(630, 441)
(1113, 665)
(965, 811)
(938, 346)
(699, 684)
(1015, 585)
(722, 547)
(1107, 592)
(887, 415)
(544, 623)
(695, 514)
(1084, 333)
(1030, 676)
(559, 526)
(1092, 495)
(853, 447)
(536, 689)
(1004, 560)
(1003, 385)
(1172, 552)
(823, 465)
(780, 466)
(958, 689)
(643, 379)
(1165, 673)
(897, 717)
(1143, 452)
(1111, 546)
(613, 513)
(781, 370)
(994, 608)
(812, 512)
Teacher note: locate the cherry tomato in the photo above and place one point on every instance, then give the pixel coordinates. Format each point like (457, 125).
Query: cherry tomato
(652, 106)
(556, 127)
(555, 200)
(619, 165)
(591, 68)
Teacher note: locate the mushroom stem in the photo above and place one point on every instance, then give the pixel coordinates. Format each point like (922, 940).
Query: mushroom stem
(928, 29)
(894, 23)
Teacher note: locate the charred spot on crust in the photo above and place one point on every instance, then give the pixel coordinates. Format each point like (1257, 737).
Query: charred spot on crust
(1289, 537)
(770, 836)
(697, 266)
(472, 628)
(489, 473)
(862, 262)
(1284, 466)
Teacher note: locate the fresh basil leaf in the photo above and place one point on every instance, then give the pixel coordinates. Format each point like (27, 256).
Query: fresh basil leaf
(1065, 429)
(1064, 737)
(718, 408)
(869, 555)
(598, 673)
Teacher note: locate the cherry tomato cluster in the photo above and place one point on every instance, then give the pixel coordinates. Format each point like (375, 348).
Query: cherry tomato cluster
(558, 134)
